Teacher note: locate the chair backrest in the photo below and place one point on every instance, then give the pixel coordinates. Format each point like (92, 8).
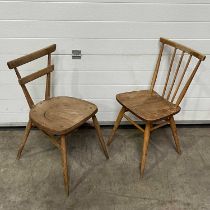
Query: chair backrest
(170, 90)
(46, 71)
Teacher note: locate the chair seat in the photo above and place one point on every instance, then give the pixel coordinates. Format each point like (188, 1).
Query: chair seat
(60, 115)
(146, 105)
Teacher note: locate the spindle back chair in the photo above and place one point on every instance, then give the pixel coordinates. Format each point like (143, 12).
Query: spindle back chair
(185, 51)
(55, 116)
(152, 107)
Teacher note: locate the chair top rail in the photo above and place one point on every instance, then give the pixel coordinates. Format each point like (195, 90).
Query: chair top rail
(30, 57)
(195, 53)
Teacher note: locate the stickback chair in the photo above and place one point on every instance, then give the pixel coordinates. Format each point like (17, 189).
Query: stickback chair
(55, 116)
(151, 107)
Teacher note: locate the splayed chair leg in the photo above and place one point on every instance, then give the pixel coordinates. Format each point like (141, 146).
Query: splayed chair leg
(100, 136)
(145, 147)
(25, 137)
(64, 158)
(116, 125)
(175, 135)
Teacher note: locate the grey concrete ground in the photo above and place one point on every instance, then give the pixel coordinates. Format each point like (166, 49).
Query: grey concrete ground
(171, 181)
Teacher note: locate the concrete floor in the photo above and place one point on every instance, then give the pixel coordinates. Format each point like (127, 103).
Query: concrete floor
(171, 181)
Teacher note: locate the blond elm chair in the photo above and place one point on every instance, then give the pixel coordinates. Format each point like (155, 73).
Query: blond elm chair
(55, 116)
(151, 107)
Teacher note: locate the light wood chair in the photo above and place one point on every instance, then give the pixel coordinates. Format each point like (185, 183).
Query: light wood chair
(151, 107)
(55, 116)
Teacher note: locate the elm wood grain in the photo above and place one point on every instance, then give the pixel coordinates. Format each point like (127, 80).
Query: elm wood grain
(150, 107)
(146, 105)
(55, 116)
(62, 114)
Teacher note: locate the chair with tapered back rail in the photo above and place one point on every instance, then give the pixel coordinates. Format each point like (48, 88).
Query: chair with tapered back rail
(149, 106)
(55, 116)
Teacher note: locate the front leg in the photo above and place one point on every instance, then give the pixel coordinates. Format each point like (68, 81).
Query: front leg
(64, 158)
(145, 146)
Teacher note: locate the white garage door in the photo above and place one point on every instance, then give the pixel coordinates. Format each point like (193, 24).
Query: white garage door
(119, 44)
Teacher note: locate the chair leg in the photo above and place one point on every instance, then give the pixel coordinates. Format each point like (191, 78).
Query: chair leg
(175, 135)
(116, 125)
(64, 158)
(100, 136)
(25, 137)
(145, 147)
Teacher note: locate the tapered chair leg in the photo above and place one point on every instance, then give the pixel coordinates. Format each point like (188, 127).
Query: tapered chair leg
(175, 135)
(145, 147)
(64, 158)
(100, 136)
(25, 137)
(116, 125)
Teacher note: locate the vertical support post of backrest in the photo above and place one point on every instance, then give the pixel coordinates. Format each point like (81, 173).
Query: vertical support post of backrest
(181, 79)
(181, 96)
(157, 67)
(169, 72)
(48, 78)
(25, 91)
(175, 76)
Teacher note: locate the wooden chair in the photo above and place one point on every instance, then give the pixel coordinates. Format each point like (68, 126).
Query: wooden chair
(55, 116)
(151, 107)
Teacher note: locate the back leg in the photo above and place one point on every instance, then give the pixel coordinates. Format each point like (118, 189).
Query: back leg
(100, 136)
(116, 125)
(25, 137)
